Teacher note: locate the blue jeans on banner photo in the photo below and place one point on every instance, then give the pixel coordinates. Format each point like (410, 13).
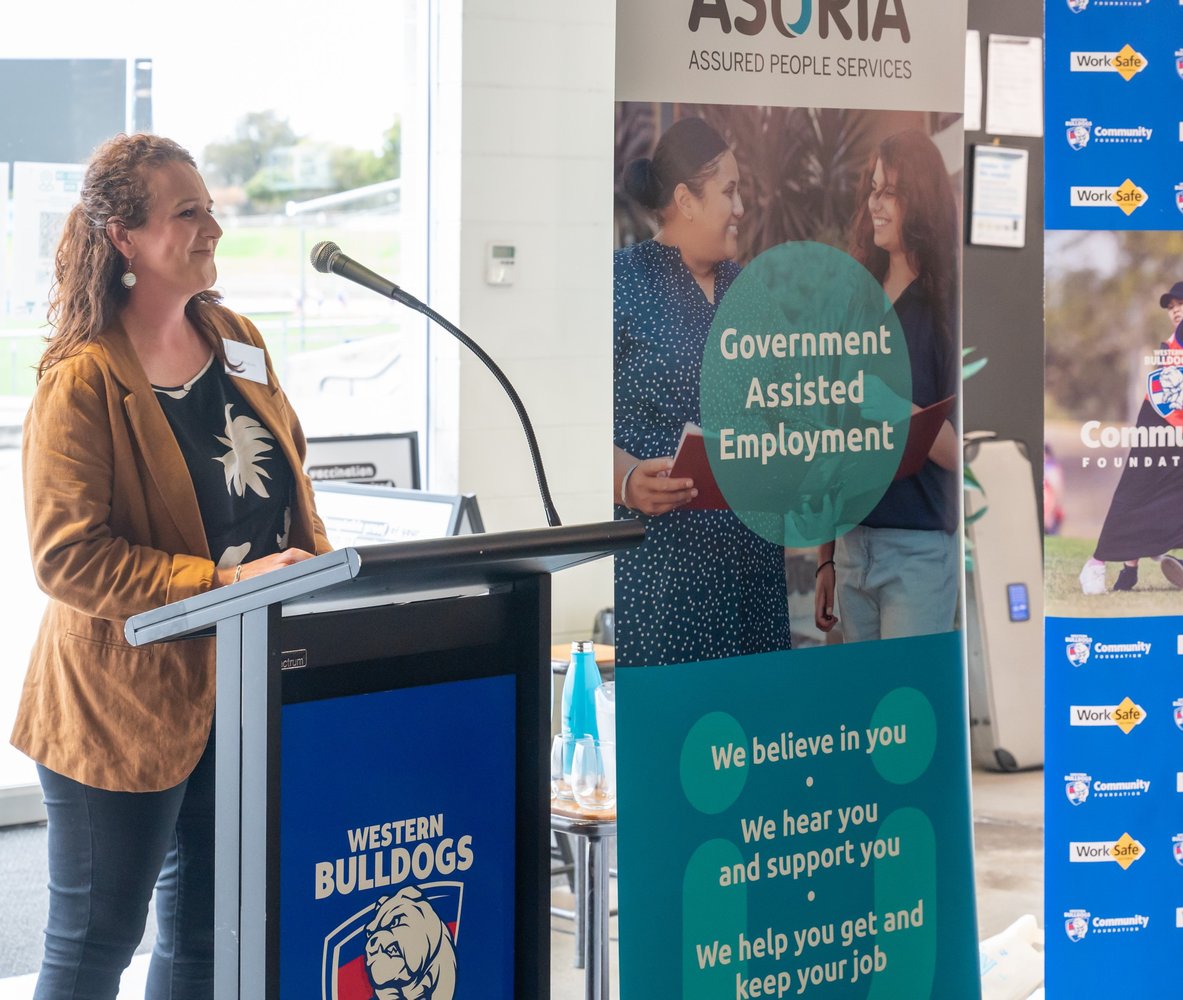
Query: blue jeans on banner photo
(896, 582)
(106, 852)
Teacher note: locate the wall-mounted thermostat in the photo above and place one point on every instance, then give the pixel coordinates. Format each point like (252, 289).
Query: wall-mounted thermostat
(499, 263)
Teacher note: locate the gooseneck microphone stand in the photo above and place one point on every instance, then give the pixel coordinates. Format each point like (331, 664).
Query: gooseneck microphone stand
(327, 257)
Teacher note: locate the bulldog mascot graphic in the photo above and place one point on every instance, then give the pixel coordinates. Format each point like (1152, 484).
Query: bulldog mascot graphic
(409, 950)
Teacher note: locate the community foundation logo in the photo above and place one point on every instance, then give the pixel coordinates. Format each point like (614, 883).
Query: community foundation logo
(1079, 649)
(1125, 716)
(1124, 851)
(398, 947)
(1080, 130)
(1076, 924)
(1164, 386)
(1078, 787)
(1127, 63)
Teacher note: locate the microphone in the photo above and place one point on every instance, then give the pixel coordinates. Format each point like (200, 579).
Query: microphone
(327, 257)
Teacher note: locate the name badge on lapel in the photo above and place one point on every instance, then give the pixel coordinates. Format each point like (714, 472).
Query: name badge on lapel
(248, 359)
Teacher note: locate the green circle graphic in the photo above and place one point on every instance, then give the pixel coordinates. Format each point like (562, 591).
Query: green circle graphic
(806, 394)
(907, 713)
(710, 788)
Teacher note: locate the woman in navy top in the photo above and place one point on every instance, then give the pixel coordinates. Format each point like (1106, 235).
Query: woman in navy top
(896, 573)
(702, 586)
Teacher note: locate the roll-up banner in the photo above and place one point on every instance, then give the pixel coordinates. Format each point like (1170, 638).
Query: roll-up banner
(791, 696)
(1114, 432)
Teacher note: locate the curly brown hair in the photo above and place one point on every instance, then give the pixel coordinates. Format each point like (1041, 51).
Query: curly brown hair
(929, 221)
(87, 293)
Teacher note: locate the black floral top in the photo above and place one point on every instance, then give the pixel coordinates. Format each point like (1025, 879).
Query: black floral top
(243, 483)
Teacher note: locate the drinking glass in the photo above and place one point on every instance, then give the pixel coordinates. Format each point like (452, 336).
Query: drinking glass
(589, 779)
(561, 750)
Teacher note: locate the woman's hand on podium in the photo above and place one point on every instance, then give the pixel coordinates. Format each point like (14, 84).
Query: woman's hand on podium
(256, 567)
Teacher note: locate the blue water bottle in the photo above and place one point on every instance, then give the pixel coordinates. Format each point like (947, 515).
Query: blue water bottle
(579, 699)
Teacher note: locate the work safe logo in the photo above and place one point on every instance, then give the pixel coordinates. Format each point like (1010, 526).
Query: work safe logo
(1127, 63)
(1128, 197)
(400, 946)
(1125, 851)
(1125, 716)
(861, 19)
(1076, 924)
(1079, 649)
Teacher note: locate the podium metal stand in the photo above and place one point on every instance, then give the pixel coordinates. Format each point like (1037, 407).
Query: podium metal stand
(352, 654)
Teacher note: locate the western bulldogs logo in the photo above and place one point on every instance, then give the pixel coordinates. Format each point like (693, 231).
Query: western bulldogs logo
(1164, 389)
(1076, 6)
(1077, 788)
(403, 947)
(1076, 924)
(1179, 197)
(1177, 848)
(1080, 131)
(1080, 648)
(1179, 714)
(1179, 62)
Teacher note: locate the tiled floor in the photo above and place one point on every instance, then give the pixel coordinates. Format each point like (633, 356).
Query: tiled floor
(1008, 815)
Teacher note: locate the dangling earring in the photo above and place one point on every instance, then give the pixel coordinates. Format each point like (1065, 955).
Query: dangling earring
(129, 277)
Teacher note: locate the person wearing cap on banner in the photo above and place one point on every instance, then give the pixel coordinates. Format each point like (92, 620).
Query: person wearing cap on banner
(896, 573)
(702, 586)
(1142, 520)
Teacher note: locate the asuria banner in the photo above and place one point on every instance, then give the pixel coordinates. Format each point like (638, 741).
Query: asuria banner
(793, 752)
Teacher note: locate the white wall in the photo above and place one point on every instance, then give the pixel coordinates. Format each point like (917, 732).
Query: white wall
(522, 147)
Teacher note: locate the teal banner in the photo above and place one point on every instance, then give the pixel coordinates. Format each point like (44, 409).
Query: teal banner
(798, 825)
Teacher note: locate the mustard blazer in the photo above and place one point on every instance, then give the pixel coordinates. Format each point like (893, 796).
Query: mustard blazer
(114, 530)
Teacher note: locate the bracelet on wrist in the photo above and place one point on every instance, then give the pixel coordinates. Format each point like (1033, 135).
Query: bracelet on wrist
(828, 562)
(624, 484)
(237, 573)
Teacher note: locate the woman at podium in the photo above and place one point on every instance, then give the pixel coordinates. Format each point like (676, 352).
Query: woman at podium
(702, 586)
(161, 459)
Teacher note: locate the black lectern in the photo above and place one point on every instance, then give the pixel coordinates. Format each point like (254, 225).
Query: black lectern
(382, 735)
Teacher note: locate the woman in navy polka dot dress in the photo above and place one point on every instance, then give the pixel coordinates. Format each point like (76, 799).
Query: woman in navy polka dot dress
(702, 586)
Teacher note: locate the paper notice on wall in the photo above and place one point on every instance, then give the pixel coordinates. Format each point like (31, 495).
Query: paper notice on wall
(973, 81)
(42, 196)
(1014, 85)
(999, 215)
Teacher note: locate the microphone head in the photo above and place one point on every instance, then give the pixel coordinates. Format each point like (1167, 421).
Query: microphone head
(323, 254)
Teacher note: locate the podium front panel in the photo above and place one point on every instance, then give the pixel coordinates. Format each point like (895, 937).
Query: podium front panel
(402, 837)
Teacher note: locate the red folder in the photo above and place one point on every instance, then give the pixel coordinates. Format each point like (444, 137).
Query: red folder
(690, 462)
(923, 429)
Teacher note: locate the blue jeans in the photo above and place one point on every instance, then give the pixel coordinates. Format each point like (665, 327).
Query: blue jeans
(895, 582)
(106, 852)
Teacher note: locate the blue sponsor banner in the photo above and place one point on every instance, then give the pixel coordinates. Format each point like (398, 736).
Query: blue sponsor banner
(1114, 86)
(797, 824)
(398, 846)
(1114, 805)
